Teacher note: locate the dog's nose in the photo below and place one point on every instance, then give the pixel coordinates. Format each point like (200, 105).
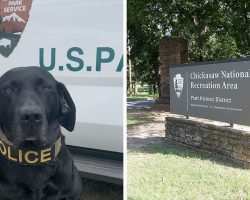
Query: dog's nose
(31, 115)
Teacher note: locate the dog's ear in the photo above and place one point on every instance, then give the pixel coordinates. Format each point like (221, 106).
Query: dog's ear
(67, 110)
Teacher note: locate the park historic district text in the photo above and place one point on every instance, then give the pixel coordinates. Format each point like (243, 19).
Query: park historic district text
(218, 75)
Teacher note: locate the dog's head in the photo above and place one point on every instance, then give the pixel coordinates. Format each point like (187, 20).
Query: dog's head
(32, 105)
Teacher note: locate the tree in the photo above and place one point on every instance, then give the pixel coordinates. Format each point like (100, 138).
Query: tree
(238, 23)
(144, 41)
(215, 29)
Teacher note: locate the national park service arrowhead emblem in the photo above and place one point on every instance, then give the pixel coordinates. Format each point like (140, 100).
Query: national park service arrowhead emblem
(14, 15)
(178, 84)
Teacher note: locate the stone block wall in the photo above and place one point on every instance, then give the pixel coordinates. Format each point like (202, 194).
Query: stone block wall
(226, 141)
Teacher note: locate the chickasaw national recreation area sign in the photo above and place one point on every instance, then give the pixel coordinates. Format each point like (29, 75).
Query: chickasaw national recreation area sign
(14, 16)
(219, 91)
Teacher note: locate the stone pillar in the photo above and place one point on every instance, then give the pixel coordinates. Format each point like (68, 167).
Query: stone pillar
(172, 51)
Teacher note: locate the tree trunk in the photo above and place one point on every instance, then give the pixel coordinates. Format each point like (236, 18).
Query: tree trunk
(130, 78)
(135, 88)
(154, 88)
(150, 89)
(159, 84)
(130, 72)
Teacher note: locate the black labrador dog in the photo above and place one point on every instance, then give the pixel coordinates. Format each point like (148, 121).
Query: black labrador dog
(34, 161)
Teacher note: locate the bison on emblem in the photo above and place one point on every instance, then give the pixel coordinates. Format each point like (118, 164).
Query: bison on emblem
(5, 43)
(14, 15)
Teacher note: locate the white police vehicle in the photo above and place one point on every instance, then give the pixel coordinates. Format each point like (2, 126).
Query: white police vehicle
(80, 43)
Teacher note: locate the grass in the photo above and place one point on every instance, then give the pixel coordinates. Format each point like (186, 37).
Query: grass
(170, 171)
(142, 96)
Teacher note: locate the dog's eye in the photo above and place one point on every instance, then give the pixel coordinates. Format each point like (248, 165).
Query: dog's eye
(45, 88)
(9, 90)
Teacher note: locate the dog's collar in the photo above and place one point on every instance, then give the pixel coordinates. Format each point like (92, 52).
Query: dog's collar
(30, 156)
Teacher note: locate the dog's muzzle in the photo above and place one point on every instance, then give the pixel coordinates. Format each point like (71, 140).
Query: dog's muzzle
(31, 124)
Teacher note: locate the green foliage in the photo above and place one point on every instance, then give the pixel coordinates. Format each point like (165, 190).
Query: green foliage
(238, 23)
(214, 30)
(143, 38)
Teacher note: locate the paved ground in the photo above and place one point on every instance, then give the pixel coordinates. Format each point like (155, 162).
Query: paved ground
(96, 190)
(144, 135)
(150, 132)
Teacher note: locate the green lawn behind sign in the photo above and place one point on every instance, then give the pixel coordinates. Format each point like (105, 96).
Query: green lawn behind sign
(142, 94)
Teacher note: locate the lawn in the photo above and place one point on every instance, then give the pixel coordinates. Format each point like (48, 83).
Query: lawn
(168, 170)
(142, 96)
